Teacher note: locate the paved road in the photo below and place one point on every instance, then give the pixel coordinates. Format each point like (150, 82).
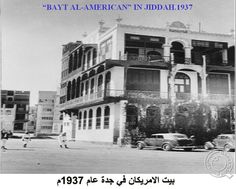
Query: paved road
(44, 156)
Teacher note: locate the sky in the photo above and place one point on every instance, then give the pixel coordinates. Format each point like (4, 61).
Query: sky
(32, 37)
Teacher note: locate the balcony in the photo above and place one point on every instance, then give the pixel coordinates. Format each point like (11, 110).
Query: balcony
(91, 98)
(145, 58)
(163, 97)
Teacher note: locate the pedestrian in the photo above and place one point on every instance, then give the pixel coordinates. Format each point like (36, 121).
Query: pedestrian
(26, 138)
(62, 139)
(4, 137)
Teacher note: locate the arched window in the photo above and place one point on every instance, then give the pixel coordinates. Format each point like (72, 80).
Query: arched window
(107, 83)
(178, 50)
(80, 120)
(85, 120)
(73, 89)
(86, 87)
(80, 58)
(94, 56)
(82, 89)
(90, 123)
(70, 63)
(83, 62)
(92, 86)
(75, 61)
(182, 86)
(77, 87)
(88, 59)
(100, 81)
(98, 118)
(106, 117)
(69, 91)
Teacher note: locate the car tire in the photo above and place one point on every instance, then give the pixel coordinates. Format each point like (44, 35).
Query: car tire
(166, 147)
(227, 148)
(140, 146)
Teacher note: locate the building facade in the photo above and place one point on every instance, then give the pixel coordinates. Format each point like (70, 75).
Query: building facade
(45, 112)
(19, 99)
(31, 125)
(7, 117)
(57, 117)
(116, 76)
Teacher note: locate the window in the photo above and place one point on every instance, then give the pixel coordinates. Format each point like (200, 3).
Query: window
(77, 87)
(85, 120)
(75, 61)
(82, 89)
(46, 127)
(69, 91)
(86, 87)
(106, 117)
(88, 59)
(92, 86)
(70, 63)
(100, 81)
(47, 109)
(90, 123)
(107, 83)
(98, 118)
(94, 56)
(106, 50)
(47, 118)
(73, 89)
(80, 119)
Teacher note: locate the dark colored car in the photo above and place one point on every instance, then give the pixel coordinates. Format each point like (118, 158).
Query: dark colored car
(168, 141)
(223, 141)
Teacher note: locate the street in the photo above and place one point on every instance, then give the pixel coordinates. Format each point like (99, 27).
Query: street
(45, 156)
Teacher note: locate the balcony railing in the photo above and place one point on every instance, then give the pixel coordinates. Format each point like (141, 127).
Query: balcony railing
(143, 57)
(146, 95)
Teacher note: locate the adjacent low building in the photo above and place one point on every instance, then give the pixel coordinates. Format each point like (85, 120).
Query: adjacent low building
(45, 112)
(7, 117)
(19, 100)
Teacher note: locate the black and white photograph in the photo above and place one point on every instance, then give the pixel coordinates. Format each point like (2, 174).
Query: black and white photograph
(142, 91)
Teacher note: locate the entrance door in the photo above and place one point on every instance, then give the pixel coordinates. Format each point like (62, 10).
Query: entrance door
(182, 86)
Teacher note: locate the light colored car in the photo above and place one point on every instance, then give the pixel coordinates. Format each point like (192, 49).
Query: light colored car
(167, 142)
(223, 141)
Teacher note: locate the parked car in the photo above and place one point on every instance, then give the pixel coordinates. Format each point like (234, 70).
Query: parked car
(223, 141)
(168, 141)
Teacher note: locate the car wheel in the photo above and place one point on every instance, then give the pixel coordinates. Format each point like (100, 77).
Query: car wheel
(188, 149)
(166, 147)
(227, 148)
(140, 146)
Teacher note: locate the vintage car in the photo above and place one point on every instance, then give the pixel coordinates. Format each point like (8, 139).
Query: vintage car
(167, 142)
(223, 141)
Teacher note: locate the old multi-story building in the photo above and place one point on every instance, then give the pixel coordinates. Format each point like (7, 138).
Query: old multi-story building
(19, 99)
(117, 72)
(45, 112)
